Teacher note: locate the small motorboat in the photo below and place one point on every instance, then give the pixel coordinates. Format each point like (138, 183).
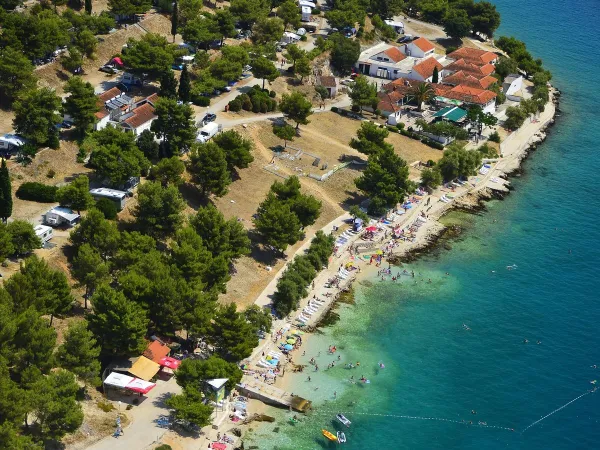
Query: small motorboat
(341, 437)
(343, 419)
(330, 436)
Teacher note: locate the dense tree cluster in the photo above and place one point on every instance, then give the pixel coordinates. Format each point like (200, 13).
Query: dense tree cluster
(293, 284)
(285, 213)
(457, 162)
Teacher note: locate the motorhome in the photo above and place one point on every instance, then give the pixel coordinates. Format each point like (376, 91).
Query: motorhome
(117, 197)
(208, 131)
(44, 232)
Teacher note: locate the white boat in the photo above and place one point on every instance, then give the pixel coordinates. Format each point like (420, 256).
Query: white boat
(341, 437)
(343, 419)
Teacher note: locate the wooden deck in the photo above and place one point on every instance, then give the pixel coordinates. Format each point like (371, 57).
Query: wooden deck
(273, 396)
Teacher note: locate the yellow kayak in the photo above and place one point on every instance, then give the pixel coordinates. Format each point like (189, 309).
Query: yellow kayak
(330, 436)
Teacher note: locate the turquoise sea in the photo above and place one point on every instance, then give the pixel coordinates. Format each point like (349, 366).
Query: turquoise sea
(437, 369)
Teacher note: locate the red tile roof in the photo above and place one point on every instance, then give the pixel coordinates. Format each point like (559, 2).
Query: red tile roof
(423, 44)
(395, 54)
(474, 55)
(473, 69)
(156, 351)
(153, 98)
(425, 67)
(101, 114)
(401, 85)
(109, 95)
(465, 94)
(466, 79)
(141, 115)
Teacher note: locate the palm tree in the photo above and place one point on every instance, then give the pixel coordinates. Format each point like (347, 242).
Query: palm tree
(422, 93)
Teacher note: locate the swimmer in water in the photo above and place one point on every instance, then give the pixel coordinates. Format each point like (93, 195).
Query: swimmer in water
(473, 411)
(538, 342)
(525, 341)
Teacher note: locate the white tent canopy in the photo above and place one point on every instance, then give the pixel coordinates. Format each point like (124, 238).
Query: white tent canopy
(218, 383)
(118, 380)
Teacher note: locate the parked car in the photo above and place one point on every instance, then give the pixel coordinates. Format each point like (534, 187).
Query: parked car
(66, 124)
(405, 39)
(109, 69)
(347, 82)
(209, 117)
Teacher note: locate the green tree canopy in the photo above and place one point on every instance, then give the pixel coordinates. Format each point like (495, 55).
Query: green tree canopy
(79, 353)
(128, 8)
(175, 125)
(76, 195)
(16, 74)
(232, 335)
(363, 93)
(224, 70)
(148, 145)
(457, 24)
(267, 30)
(431, 178)
(36, 114)
(118, 323)
(220, 236)
(249, 11)
(285, 132)
(265, 69)
(151, 55)
(89, 269)
(458, 162)
(260, 318)
(168, 171)
(288, 12)
(194, 373)
(277, 223)
(345, 53)
(190, 407)
(168, 85)
(370, 138)
(158, 212)
(385, 180)
(296, 107)
(238, 151)
(81, 104)
(185, 87)
(115, 155)
(485, 18)
(101, 234)
(23, 237)
(6, 202)
(208, 167)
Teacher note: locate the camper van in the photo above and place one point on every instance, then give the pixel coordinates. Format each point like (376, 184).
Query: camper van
(117, 197)
(9, 144)
(130, 79)
(44, 232)
(289, 38)
(397, 26)
(306, 12)
(208, 131)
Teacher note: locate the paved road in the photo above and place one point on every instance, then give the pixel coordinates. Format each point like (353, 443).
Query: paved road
(143, 430)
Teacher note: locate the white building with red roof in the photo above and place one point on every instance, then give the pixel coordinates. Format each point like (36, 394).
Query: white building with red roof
(419, 48)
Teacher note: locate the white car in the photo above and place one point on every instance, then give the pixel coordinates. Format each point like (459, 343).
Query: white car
(347, 82)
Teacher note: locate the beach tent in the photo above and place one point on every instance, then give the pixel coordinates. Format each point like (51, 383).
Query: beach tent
(118, 380)
(141, 386)
(218, 446)
(144, 368)
(371, 228)
(169, 362)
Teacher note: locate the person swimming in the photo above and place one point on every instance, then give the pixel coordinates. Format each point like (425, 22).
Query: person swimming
(525, 341)
(381, 365)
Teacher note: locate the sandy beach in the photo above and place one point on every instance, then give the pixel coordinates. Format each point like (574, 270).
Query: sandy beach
(356, 257)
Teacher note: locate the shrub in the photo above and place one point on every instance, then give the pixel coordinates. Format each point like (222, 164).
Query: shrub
(51, 173)
(235, 105)
(450, 49)
(334, 109)
(164, 447)
(494, 137)
(392, 129)
(401, 125)
(377, 112)
(272, 94)
(201, 100)
(430, 163)
(106, 406)
(316, 11)
(107, 207)
(355, 108)
(37, 192)
(303, 38)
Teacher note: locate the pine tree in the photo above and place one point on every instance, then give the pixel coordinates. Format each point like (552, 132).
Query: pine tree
(233, 336)
(5, 193)
(435, 78)
(168, 85)
(174, 20)
(184, 85)
(118, 323)
(79, 353)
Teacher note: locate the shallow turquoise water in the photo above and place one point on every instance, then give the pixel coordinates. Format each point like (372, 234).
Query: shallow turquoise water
(435, 368)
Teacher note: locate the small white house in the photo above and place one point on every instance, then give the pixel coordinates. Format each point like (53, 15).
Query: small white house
(512, 86)
(44, 232)
(306, 3)
(330, 83)
(61, 216)
(419, 48)
(117, 197)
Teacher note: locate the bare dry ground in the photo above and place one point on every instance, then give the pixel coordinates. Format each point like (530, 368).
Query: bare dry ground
(326, 137)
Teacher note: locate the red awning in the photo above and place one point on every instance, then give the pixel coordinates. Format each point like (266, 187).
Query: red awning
(118, 60)
(169, 362)
(141, 386)
(219, 445)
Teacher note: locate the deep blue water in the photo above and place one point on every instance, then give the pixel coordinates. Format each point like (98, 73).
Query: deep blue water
(549, 227)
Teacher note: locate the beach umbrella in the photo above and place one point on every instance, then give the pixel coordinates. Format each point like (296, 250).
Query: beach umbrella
(291, 341)
(379, 252)
(288, 347)
(371, 228)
